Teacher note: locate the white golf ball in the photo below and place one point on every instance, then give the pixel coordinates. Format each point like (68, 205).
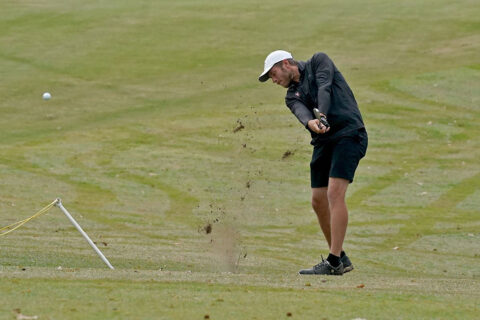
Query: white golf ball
(46, 96)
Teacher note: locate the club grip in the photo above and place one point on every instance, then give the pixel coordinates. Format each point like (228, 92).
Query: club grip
(321, 117)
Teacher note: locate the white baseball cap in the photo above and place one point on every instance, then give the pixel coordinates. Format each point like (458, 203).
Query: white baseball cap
(272, 58)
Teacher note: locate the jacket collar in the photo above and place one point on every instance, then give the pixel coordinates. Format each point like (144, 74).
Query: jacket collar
(301, 69)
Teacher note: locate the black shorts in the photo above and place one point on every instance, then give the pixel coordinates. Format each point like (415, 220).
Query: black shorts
(337, 159)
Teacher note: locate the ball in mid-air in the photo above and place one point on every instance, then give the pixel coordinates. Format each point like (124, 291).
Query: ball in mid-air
(47, 96)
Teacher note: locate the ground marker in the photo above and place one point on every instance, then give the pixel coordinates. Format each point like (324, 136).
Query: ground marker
(90, 242)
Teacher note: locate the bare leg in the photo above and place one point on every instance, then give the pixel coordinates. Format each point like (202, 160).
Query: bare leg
(320, 206)
(337, 189)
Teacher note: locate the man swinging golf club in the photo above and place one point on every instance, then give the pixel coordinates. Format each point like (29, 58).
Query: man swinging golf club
(321, 99)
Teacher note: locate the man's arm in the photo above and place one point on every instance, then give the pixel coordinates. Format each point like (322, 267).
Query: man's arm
(323, 69)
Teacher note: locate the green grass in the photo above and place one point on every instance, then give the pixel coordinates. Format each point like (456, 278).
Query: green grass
(138, 140)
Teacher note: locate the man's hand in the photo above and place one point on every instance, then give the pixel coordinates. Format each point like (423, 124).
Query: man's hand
(316, 126)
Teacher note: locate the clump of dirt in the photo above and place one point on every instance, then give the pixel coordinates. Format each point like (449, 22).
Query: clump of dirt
(208, 228)
(239, 127)
(287, 154)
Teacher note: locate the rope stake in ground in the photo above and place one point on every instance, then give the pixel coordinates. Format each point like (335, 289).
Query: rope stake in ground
(58, 203)
(90, 242)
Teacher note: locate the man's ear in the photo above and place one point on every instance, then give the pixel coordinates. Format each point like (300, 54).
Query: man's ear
(286, 65)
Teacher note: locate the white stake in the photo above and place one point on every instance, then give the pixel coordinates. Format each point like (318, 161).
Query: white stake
(90, 242)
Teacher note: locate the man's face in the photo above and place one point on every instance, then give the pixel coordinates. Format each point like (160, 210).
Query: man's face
(281, 75)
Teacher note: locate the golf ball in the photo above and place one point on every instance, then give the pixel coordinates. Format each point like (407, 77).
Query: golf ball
(46, 96)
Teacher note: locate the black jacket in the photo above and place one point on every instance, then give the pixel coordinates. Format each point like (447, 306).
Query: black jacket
(322, 86)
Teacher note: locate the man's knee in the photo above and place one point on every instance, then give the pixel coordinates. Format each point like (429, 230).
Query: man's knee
(337, 188)
(319, 197)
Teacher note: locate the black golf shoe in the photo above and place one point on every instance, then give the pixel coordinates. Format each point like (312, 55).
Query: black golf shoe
(324, 268)
(347, 264)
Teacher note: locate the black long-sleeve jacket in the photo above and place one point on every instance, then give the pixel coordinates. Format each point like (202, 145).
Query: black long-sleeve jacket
(322, 86)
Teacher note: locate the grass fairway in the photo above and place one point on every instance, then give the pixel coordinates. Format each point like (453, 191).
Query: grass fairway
(192, 177)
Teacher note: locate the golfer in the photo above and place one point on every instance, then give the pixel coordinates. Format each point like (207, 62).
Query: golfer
(339, 141)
